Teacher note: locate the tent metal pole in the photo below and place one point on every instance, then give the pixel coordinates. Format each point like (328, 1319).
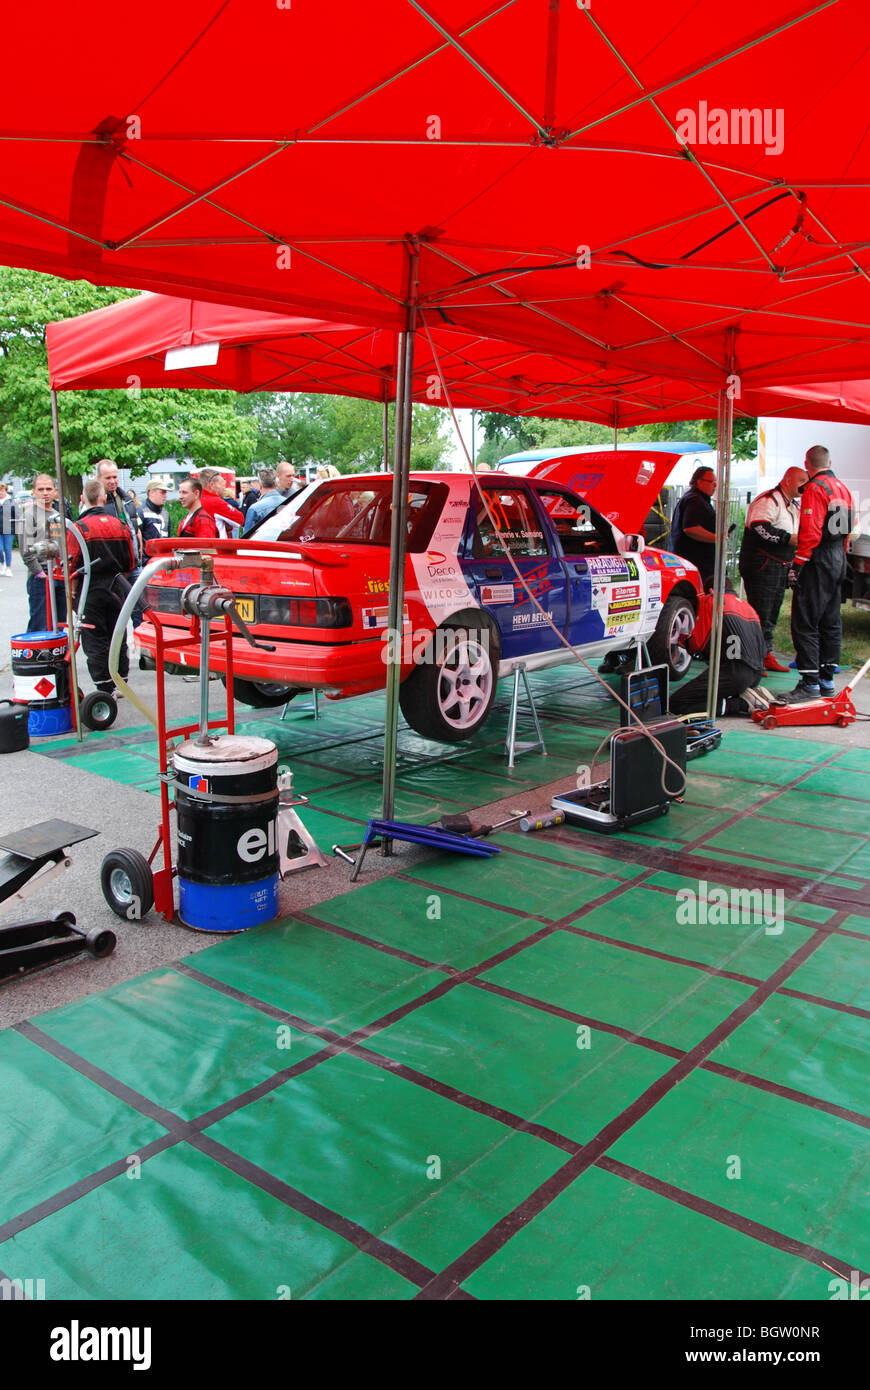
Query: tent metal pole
(64, 560)
(385, 462)
(398, 536)
(723, 488)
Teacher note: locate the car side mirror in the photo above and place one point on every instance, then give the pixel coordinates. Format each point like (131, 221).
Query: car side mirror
(631, 544)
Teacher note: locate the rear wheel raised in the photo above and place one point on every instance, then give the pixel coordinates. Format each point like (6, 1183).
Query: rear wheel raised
(262, 694)
(676, 621)
(449, 696)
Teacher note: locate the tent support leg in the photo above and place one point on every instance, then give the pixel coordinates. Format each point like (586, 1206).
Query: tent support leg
(398, 536)
(64, 560)
(385, 465)
(723, 487)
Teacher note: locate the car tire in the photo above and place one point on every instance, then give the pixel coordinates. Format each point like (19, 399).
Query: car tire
(448, 697)
(677, 618)
(127, 884)
(262, 694)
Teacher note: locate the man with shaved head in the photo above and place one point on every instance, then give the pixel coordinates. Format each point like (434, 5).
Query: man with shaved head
(767, 551)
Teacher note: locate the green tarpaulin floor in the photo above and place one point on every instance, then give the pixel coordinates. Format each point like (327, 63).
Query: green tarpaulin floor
(537, 1076)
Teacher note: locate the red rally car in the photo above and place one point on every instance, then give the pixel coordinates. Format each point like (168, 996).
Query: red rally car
(467, 620)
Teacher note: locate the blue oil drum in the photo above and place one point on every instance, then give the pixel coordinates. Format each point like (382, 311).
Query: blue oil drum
(41, 680)
(226, 801)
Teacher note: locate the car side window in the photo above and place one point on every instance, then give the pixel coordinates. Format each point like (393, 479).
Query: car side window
(508, 522)
(580, 529)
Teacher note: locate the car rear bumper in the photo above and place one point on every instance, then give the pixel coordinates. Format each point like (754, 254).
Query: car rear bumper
(340, 669)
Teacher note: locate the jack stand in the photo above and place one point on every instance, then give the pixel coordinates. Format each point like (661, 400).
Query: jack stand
(641, 655)
(512, 747)
(311, 705)
(297, 848)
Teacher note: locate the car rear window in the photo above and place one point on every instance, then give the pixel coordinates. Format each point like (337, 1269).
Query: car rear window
(358, 513)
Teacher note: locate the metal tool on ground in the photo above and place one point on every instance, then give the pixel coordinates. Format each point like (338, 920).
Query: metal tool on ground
(702, 736)
(238, 831)
(32, 857)
(429, 835)
(35, 855)
(545, 821)
(462, 824)
(836, 709)
(28, 946)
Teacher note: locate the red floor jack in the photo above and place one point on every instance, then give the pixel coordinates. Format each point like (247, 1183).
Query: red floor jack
(828, 709)
(131, 886)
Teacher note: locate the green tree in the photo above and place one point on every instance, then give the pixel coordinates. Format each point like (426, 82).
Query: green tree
(503, 434)
(310, 429)
(134, 428)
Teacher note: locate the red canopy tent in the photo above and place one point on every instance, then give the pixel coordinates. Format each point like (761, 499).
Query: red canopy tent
(682, 192)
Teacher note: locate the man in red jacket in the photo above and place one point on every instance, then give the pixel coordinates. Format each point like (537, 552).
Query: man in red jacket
(816, 576)
(741, 663)
(198, 521)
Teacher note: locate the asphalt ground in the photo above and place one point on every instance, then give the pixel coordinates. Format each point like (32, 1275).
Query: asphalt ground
(34, 788)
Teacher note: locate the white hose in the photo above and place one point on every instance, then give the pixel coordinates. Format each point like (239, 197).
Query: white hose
(164, 562)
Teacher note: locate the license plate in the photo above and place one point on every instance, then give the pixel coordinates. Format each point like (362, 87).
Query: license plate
(245, 609)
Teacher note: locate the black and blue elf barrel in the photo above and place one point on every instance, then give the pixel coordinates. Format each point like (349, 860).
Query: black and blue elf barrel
(226, 801)
(40, 679)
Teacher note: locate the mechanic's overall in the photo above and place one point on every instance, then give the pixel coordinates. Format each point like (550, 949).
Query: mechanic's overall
(767, 551)
(816, 576)
(741, 663)
(113, 563)
(693, 528)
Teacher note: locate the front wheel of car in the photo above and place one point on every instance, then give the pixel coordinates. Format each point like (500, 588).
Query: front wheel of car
(262, 694)
(676, 621)
(449, 695)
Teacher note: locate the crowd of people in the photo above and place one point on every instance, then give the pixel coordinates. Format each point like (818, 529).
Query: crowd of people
(796, 535)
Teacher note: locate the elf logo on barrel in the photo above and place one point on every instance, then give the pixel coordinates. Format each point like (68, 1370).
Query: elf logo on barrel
(256, 844)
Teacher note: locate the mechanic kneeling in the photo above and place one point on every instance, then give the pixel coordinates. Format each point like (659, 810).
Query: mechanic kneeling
(112, 559)
(742, 661)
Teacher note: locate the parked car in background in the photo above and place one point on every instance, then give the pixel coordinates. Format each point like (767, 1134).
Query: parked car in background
(468, 618)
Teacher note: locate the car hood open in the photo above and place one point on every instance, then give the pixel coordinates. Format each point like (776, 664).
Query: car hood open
(621, 484)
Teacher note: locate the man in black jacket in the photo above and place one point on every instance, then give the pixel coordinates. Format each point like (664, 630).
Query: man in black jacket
(153, 516)
(113, 563)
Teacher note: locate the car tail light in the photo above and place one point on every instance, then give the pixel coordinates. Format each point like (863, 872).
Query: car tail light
(163, 598)
(278, 611)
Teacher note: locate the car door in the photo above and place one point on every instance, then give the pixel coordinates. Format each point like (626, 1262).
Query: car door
(510, 520)
(606, 589)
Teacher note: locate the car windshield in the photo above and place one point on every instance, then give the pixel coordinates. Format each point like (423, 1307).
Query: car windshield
(358, 513)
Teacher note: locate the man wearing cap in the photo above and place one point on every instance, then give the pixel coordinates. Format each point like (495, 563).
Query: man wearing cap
(816, 576)
(153, 516)
(767, 550)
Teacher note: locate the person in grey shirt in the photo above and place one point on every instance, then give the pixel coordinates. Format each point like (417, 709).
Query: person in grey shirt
(40, 529)
(283, 481)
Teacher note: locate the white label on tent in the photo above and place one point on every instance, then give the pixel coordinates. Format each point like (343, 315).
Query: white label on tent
(199, 355)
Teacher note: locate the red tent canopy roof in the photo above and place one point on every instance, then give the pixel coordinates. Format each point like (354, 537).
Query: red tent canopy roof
(127, 343)
(712, 158)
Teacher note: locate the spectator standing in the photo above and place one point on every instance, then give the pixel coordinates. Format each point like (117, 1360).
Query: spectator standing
(198, 521)
(268, 488)
(250, 495)
(816, 576)
(228, 517)
(113, 562)
(693, 529)
(153, 516)
(285, 479)
(7, 531)
(40, 532)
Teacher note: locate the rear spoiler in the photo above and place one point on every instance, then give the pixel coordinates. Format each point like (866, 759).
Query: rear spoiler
(242, 549)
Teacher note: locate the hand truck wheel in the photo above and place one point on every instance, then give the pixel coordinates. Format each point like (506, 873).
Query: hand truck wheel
(98, 710)
(127, 883)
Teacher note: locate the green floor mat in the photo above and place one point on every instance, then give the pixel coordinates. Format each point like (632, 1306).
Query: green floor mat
(553, 891)
(421, 1172)
(125, 1236)
(655, 999)
(701, 1131)
(605, 1238)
